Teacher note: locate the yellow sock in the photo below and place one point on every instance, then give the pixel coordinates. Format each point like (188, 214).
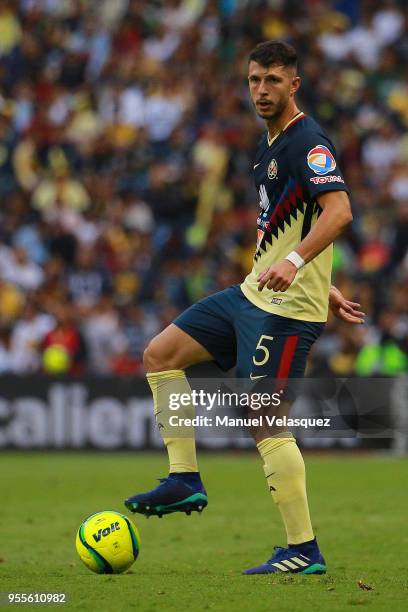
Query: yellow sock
(180, 441)
(285, 472)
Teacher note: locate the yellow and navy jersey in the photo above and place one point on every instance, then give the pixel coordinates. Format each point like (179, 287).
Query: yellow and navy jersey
(290, 171)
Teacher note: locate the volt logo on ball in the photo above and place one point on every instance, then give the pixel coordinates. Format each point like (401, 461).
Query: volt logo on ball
(321, 160)
(102, 533)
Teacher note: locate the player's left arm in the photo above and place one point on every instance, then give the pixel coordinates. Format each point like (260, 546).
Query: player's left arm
(336, 215)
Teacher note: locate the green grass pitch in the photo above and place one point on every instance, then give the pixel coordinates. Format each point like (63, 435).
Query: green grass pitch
(359, 508)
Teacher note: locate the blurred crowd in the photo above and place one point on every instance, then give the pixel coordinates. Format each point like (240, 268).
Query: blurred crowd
(126, 148)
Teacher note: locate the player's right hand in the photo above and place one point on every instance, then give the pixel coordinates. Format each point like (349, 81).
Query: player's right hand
(278, 277)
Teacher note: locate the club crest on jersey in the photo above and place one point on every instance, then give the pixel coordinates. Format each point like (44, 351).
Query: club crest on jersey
(264, 200)
(320, 160)
(273, 169)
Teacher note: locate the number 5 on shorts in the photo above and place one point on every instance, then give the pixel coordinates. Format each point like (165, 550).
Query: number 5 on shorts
(264, 349)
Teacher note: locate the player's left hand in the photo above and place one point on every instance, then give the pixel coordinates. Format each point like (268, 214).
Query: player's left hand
(344, 309)
(278, 277)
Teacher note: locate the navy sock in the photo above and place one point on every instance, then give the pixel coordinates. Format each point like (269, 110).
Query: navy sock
(190, 478)
(304, 546)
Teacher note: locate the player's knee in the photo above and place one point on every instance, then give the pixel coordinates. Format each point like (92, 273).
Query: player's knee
(151, 358)
(157, 359)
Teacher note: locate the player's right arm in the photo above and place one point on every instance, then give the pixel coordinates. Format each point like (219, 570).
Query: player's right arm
(336, 215)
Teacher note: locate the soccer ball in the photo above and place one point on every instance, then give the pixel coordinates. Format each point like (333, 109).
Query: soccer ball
(108, 542)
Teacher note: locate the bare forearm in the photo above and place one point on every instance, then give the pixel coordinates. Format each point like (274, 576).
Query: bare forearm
(334, 218)
(329, 225)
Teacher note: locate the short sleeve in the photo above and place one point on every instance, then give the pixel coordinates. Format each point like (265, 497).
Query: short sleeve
(316, 167)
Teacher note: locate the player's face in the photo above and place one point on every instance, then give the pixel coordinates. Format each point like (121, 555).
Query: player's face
(271, 88)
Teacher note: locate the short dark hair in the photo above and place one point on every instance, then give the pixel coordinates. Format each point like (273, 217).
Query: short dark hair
(274, 52)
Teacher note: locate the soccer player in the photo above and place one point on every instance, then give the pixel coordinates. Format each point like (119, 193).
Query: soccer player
(268, 324)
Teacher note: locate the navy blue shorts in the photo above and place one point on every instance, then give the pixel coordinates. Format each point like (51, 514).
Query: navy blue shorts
(236, 332)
